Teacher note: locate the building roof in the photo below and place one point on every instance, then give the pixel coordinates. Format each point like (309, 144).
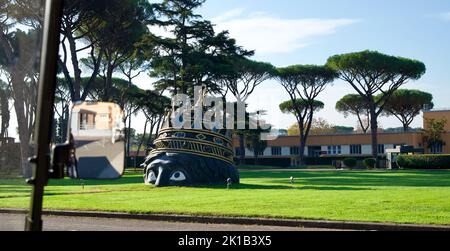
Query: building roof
(438, 110)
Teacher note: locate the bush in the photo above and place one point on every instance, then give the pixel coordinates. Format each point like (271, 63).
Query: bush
(424, 161)
(350, 162)
(370, 163)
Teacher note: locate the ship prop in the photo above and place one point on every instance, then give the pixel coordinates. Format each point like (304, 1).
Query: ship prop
(191, 157)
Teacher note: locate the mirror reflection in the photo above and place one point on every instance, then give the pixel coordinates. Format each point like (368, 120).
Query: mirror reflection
(98, 132)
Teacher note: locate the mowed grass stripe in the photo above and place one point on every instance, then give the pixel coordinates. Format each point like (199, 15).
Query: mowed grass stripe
(420, 197)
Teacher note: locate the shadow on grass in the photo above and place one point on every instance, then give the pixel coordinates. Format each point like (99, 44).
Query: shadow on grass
(357, 178)
(335, 179)
(14, 191)
(284, 187)
(125, 180)
(306, 180)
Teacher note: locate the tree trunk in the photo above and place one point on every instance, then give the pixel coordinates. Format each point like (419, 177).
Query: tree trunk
(256, 152)
(302, 145)
(241, 149)
(65, 123)
(108, 83)
(153, 125)
(158, 126)
(142, 140)
(129, 133)
(405, 127)
(301, 153)
(150, 136)
(76, 67)
(5, 113)
(374, 132)
(17, 80)
(24, 144)
(95, 73)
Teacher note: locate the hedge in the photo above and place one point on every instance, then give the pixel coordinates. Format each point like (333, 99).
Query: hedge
(370, 163)
(350, 162)
(424, 161)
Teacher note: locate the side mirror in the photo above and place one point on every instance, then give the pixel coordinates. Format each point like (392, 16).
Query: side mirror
(97, 140)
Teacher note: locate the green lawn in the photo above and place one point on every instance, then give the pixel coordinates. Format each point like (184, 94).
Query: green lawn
(421, 197)
(253, 167)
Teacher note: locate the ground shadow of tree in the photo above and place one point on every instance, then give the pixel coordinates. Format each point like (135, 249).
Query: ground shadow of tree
(304, 180)
(244, 186)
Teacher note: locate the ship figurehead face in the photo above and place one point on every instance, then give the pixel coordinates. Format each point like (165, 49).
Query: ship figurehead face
(190, 158)
(166, 170)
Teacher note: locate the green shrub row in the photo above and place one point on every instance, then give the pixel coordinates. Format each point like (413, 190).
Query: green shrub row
(370, 163)
(350, 162)
(424, 161)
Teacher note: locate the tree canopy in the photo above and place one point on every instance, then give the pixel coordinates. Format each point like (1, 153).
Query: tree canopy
(432, 134)
(304, 83)
(354, 104)
(243, 76)
(314, 77)
(375, 76)
(406, 104)
(106, 31)
(20, 38)
(194, 54)
(300, 105)
(367, 67)
(371, 73)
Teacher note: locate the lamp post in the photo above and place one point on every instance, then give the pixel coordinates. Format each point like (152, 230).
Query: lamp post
(229, 182)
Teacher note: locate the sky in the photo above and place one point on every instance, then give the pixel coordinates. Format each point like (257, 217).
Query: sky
(288, 32)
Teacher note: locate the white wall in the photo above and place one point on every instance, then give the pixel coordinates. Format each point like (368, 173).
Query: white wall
(345, 149)
(268, 151)
(366, 149)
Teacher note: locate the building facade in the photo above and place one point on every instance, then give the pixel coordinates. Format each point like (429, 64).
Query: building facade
(284, 150)
(101, 118)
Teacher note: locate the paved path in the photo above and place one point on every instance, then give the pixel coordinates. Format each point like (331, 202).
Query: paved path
(15, 222)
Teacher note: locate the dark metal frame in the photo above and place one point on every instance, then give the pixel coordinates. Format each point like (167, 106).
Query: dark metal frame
(44, 116)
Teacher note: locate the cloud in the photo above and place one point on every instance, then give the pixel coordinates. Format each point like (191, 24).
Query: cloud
(266, 34)
(446, 16)
(228, 15)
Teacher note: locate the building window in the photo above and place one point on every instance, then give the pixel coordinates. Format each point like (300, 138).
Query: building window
(334, 150)
(397, 145)
(437, 148)
(276, 151)
(314, 151)
(295, 150)
(355, 149)
(381, 149)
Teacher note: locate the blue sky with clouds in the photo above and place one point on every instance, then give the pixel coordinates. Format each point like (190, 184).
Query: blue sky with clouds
(286, 32)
